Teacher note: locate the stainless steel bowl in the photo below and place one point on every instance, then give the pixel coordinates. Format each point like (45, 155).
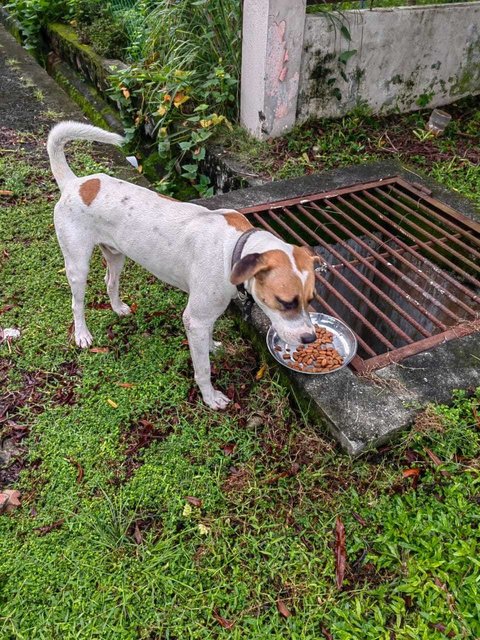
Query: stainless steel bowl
(344, 341)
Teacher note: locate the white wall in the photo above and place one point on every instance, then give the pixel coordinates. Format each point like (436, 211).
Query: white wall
(406, 58)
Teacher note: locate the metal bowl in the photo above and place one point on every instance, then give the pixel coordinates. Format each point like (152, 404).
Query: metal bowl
(344, 341)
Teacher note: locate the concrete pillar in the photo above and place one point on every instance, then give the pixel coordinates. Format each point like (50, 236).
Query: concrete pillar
(271, 56)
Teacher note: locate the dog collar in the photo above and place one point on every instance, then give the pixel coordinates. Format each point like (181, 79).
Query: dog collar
(245, 297)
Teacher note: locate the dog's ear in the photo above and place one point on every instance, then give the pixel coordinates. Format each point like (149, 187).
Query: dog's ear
(247, 267)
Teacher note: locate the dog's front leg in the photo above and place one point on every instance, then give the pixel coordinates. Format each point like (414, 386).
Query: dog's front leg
(199, 330)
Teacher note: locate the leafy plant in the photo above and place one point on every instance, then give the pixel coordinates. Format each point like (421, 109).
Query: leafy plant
(185, 88)
(35, 14)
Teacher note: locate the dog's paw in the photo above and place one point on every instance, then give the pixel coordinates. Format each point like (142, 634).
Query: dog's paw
(83, 339)
(215, 346)
(215, 399)
(122, 309)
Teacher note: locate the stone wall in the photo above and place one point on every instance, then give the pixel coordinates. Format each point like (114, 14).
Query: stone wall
(396, 59)
(296, 66)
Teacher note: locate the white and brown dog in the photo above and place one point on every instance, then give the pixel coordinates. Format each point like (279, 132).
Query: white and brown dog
(183, 244)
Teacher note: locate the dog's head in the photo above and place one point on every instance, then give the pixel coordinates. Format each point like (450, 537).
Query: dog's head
(282, 283)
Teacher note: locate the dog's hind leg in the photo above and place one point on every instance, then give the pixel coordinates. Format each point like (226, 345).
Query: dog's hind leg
(77, 258)
(115, 261)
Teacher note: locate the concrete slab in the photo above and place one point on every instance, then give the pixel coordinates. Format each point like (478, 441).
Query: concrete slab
(365, 411)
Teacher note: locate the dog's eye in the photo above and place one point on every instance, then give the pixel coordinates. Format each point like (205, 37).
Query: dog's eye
(288, 305)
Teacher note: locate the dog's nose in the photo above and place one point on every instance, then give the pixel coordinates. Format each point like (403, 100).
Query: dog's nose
(308, 337)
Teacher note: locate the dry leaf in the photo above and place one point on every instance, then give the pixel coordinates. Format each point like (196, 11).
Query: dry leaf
(137, 534)
(229, 448)
(41, 531)
(113, 404)
(327, 634)
(261, 372)
(433, 457)
(133, 307)
(99, 350)
(6, 192)
(126, 92)
(340, 552)
(9, 500)
(80, 471)
(196, 502)
(282, 609)
(408, 473)
(125, 385)
(223, 622)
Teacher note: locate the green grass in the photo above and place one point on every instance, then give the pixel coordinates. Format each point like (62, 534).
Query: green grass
(453, 159)
(129, 557)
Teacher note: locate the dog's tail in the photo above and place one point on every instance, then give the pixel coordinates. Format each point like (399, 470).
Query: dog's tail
(62, 133)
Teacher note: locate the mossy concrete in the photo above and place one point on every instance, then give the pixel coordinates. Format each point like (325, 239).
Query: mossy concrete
(366, 411)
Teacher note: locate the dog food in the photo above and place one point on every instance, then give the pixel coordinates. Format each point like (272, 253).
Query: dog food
(317, 357)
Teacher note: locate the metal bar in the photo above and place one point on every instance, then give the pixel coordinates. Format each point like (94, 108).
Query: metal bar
(265, 224)
(356, 292)
(441, 205)
(364, 279)
(327, 285)
(352, 287)
(434, 226)
(332, 312)
(445, 274)
(439, 256)
(317, 196)
(383, 360)
(411, 250)
(390, 266)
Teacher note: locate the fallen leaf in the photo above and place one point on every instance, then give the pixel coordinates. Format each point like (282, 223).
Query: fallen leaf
(6, 192)
(359, 519)
(433, 457)
(99, 350)
(180, 98)
(438, 626)
(203, 529)
(113, 404)
(137, 534)
(229, 448)
(41, 531)
(126, 92)
(327, 634)
(6, 308)
(192, 394)
(133, 307)
(223, 622)
(196, 502)
(80, 471)
(125, 385)
(408, 473)
(9, 500)
(340, 552)
(261, 372)
(282, 609)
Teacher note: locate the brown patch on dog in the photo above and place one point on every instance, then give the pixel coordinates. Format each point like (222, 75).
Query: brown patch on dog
(278, 280)
(89, 190)
(237, 220)
(160, 195)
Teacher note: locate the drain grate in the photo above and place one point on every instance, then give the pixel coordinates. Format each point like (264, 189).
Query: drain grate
(402, 267)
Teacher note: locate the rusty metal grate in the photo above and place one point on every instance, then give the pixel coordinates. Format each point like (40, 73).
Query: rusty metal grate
(403, 267)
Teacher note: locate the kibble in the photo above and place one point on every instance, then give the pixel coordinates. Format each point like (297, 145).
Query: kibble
(317, 357)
